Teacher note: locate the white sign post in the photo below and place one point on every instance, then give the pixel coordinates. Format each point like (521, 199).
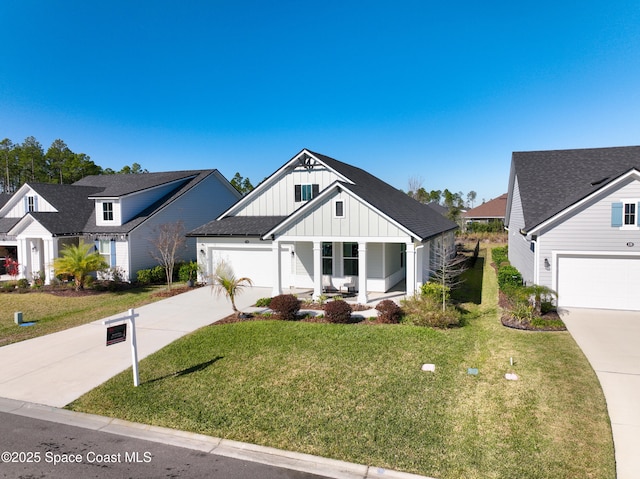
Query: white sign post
(134, 347)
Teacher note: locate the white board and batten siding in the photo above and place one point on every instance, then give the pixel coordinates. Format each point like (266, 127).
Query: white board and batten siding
(590, 262)
(278, 199)
(359, 221)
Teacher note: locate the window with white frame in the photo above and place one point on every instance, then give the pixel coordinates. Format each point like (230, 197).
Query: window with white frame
(339, 209)
(629, 214)
(625, 214)
(104, 248)
(31, 203)
(107, 211)
(327, 258)
(350, 259)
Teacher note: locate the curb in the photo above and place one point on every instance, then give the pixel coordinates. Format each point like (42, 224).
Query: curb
(223, 447)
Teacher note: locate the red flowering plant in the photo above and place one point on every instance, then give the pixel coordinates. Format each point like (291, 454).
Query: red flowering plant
(12, 267)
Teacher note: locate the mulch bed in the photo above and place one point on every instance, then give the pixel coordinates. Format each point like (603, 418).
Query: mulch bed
(510, 322)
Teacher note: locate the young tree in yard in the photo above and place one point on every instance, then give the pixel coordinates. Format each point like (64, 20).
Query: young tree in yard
(79, 261)
(446, 268)
(224, 281)
(168, 241)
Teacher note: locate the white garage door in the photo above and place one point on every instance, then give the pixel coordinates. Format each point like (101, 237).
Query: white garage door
(253, 263)
(599, 282)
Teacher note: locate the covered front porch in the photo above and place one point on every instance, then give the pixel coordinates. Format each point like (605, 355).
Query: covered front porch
(355, 268)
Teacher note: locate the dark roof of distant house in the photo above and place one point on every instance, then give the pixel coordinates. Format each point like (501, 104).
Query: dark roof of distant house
(551, 181)
(126, 184)
(132, 185)
(4, 197)
(494, 208)
(238, 226)
(76, 207)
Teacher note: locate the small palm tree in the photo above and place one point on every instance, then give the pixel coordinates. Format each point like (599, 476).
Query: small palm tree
(224, 281)
(79, 261)
(539, 294)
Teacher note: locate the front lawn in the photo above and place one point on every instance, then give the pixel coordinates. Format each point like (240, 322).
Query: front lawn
(64, 309)
(357, 393)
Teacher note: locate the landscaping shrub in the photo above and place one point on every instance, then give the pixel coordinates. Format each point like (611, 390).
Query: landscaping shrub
(158, 275)
(188, 271)
(286, 306)
(500, 255)
(424, 311)
(144, 276)
(338, 311)
(23, 283)
(389, 312)
(509, 276)
(263, 302)
(433, 291)
(9, 285)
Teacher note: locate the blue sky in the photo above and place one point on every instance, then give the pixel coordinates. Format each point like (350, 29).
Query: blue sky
(442, 92)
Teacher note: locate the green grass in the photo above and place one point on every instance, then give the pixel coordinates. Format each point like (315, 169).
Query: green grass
(357, 393)
(53, 313)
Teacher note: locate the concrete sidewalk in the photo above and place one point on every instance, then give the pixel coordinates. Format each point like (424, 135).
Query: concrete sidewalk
(58, 368)
(610, 341)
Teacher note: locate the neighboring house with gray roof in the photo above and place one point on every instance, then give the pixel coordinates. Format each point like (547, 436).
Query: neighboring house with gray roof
(119, 214)
(574, 224)
(323, 224)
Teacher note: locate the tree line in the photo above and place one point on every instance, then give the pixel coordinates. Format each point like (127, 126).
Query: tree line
(454, 202)
(29, 162)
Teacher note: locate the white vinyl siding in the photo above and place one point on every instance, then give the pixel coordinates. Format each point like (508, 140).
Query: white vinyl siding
(201, 204)
(520, 254)
(589, 229)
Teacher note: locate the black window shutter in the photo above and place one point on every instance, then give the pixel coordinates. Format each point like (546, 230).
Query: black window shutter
(298, 193)
(315, 190)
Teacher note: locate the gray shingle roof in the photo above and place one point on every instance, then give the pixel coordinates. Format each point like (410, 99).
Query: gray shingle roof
(121, 185)
(76, 207)
(417, 217)
(238, 226)
(551, 181)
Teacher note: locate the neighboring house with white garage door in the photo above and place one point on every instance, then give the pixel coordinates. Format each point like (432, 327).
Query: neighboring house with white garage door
(325, 225)
(574, 224)
(117, 213)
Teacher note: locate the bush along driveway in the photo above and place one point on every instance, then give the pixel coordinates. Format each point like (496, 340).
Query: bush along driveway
(358, 393)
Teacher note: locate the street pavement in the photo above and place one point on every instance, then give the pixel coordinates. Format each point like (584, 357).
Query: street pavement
(611, 342)
(38, 448)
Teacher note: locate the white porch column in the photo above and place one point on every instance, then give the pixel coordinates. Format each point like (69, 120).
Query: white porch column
(411, 268)
(362, 273)
(50, 248)
(277, 280)
(317, 269)
(24, 258)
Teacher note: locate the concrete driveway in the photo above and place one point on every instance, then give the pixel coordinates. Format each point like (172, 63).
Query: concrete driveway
(58, 368)
(611, 342)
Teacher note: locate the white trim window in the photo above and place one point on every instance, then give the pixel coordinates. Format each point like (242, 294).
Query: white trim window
(327, 258)
(338, 209)
(350, 259)
(625, 214)
(107, 211)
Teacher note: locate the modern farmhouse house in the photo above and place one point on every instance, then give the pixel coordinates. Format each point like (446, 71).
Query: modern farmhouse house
(118, 213)
(322, 224)
(574, 224)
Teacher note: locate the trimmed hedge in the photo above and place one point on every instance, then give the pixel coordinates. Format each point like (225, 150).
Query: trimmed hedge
(389, 312)
(500, 255)
(508, 276)
(338, 311)
(286, 306)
